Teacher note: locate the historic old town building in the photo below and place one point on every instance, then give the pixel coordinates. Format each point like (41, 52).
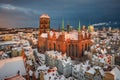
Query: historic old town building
(73, 43)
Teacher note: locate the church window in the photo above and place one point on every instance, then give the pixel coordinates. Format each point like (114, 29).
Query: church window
(72, 50)
(76, 50)
(69, 50)
(50, 46)
(59, 48)
(54, 46)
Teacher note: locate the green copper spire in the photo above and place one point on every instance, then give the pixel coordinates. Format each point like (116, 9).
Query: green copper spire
(79, 27)
(89, 28)
(63, 25)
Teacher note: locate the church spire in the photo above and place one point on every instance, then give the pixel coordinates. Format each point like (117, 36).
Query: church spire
(79, 27)
(63, 25)
(89, 28)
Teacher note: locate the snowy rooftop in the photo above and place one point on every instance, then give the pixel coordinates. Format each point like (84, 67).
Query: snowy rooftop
(55, 54)
(53, 75)
(116, 72)
(44, 16)
(10, 67)
(103, 58)
(43, 67)
(91, 71)
(81, 67)
(8, 42)
(28, 50)
(85, 67)
(6, 35)
(44, 35)
(73, 35)
(66, 61)
(17, 48)
(17, 77)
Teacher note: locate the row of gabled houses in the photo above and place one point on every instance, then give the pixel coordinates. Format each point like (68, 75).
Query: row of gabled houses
(81, 71)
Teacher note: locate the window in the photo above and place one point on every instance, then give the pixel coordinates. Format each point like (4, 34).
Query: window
(54, 46)
(66, 50)
(72, 50)
(59, 48)
(76, 50)
(49, 46)
(69, 51)
(82, 50)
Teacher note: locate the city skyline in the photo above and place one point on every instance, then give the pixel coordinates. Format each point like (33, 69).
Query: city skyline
(14, 13)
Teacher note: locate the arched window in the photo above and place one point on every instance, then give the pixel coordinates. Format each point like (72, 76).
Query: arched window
(58, 47)
(85, 46)
(54, 46)
(69, 50)
(72, 50)
(82, 50)
(88, 47)
(76, 51)
(49, 46)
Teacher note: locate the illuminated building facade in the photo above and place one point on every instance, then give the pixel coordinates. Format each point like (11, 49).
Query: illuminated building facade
(73, 43)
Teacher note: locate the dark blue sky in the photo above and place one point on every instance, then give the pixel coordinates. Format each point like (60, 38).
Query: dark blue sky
(25, 13)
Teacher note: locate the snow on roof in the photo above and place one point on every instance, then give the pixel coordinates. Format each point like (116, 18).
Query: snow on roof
(30, 72)
(29, 62)
(66, 61)
(42, 56)
(70, 78)
(96, 67)
(58, 34)
(39, 54)
(116, 72)
(43, 67)
(73, 35)
(44, 35)
(44, 16)
(17, 48)
(55, 54)
(28, 50)
(52, 75)
(9, 67)
(6, 35)
(77, 67)
(102, 60)
(84, 66)
(8, 42)
(17, 77)
(91, 70)
(102, 72)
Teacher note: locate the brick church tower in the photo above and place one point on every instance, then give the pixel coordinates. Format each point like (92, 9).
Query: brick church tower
(44, 26)
(44, 23)
(72, 43)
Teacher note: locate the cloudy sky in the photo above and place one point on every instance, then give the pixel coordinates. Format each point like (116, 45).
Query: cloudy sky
(25, 13)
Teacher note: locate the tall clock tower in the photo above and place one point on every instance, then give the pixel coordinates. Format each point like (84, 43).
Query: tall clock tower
(44, 23)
